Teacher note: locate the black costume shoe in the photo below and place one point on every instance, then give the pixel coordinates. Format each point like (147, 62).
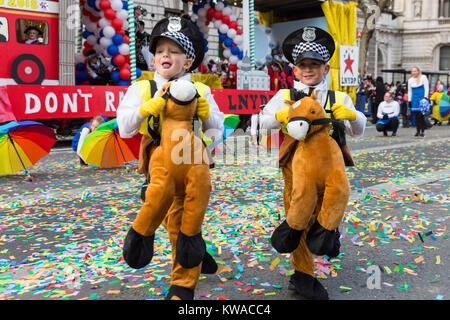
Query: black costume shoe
(180, 292)
(321, 241)
(308, 286)
(137, 249)
(190, 250)
(209, 265)
(285, 239)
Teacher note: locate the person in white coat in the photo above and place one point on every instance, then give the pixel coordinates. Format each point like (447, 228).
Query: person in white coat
(387, 115)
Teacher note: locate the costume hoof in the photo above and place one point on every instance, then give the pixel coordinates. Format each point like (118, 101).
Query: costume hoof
(321, 241)
(308, 286)
(209, 265)
(285, 239)
(190, 250)
(179, 293)
(137, 249)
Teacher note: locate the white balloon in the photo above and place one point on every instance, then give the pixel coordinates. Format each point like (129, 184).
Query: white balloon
(116, 5)
(125, 25)
(226, 53)
(98, 48)
(223, 28)
(105, 42)
(91, 40)
(194, 17)
(122, 15)
(219, 6)
(238, 38)
(103, 22)
(227, 11)
(201, 12)
(124, 49)
(231, 33)
(233, 17)
(233, 59)
(217, 24)
(109, 32)
(91, 26)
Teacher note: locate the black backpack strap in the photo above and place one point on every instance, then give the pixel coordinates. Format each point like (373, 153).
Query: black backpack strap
(337, 125)
(154, 132)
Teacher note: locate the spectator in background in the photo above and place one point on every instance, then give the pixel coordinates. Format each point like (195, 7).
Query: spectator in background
(387, 115)
(143, 54)
(80, 136)
(33, 34)
(98, 68)
(418, 89)
(226, 83)
(435, 99)
(380, 90)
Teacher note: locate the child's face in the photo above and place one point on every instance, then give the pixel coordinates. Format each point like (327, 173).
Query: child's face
(310, 72)
(94, 125)
(170, 60)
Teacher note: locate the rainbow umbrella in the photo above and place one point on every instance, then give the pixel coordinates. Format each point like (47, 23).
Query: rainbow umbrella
(444, 107)
(230, 124)
(105, 148)
(22, 144)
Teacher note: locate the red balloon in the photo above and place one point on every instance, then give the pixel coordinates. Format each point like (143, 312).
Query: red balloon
(127, 65)
(104, 4)
(210, 13)
(110, 14)
(218, 15)
(225, 19)
(126, 39)
(233, 24)
(117, 24)
(121, 32)
(119, 60)
(232, 67)
(87, 45)
(125, 74)
(238, 31)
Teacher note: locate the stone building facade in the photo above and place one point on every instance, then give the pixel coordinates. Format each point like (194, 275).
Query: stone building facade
(420, 36)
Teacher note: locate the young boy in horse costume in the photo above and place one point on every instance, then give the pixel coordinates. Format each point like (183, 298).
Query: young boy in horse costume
(178, 48)
(309, 49)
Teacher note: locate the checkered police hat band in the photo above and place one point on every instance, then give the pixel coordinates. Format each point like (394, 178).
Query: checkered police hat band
(187, 45)
(310, 46)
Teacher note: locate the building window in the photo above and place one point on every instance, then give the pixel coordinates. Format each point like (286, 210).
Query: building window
(4, 34)
(444, 58)
(444, 8)
(31, 31)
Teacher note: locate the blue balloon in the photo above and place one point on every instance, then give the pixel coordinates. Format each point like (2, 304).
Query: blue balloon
(138, 73)
(81, 76)
(112, 50)
(117, 39)
(80, 66)
(206, 49)
(225, 4)
(241, 54)
(228, 42)
(195, 8)
(235, 50)
(123, 83)
(124, 5)
(222, 36)
(91, 3)
(86, 34)
(205, 41)
(115, 76)
(212, 4)
(101, 34)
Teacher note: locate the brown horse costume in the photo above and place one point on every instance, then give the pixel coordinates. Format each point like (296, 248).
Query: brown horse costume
(315, 194)
(179, 170)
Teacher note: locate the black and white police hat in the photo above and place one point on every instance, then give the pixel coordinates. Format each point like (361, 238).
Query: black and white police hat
(184, 33)
(308, 43)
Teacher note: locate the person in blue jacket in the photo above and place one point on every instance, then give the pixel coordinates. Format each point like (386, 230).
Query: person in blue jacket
(78, 139)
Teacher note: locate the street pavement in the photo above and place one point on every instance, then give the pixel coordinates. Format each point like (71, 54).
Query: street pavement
(61, 235)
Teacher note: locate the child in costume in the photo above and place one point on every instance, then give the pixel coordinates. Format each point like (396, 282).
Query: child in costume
(309, 49)
(178, 48)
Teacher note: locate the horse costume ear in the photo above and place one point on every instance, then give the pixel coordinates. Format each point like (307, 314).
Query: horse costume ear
(317, 95)
(289, 102)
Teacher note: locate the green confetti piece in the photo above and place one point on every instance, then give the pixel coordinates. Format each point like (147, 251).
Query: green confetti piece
(289, 272)
(345, 288)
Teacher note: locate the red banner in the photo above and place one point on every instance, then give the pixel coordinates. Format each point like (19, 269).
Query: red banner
(56, 102)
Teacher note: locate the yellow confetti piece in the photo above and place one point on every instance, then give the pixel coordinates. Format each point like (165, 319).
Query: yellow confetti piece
(274, 263)
(438, 259)
(113, 292)
(419, 259)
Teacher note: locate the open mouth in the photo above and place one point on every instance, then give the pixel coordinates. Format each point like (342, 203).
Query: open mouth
(166, 65)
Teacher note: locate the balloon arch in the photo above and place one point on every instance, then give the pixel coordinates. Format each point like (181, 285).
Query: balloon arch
(105, 23)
